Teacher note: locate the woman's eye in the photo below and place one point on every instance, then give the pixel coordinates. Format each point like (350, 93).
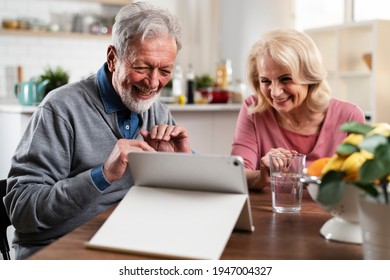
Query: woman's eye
(286, 79)
(265, 81)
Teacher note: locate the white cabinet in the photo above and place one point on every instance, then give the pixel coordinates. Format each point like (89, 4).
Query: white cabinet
(210, 127)
(349, 76)
(13, 122)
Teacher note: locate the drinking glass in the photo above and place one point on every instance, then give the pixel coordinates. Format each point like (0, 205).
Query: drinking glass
(286, 188)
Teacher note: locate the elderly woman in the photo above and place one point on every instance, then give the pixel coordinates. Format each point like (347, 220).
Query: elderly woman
(291, 110)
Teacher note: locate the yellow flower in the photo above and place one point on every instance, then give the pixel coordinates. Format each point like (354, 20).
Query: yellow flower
(380, 128)
(334, 163)
(352, 164)
(354, 139)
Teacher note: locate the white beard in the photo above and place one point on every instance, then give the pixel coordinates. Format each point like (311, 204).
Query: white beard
(136, 105)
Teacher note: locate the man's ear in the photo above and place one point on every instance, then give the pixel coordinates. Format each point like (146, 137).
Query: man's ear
(111, 58)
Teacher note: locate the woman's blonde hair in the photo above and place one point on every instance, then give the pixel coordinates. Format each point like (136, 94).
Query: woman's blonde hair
(298, 53)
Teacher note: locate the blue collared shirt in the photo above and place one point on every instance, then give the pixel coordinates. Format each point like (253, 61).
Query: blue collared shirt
(128, 121)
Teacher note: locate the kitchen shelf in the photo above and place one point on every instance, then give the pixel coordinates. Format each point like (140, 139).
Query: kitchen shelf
(65, 35)
(342, 48)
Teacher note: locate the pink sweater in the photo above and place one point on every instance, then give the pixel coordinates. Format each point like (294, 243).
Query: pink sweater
(256, 134)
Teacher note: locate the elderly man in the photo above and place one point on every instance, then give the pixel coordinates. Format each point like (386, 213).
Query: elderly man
(71, 162)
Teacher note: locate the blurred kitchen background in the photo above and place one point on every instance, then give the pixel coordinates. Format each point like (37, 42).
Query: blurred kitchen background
(69, 38)
(74, 34)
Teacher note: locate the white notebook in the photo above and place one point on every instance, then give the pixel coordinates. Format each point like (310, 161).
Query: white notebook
(181, 206)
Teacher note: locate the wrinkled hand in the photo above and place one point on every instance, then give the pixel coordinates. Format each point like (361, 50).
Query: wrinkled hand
(265, 164)
(116, 164)
(265, 160)
(168, 138)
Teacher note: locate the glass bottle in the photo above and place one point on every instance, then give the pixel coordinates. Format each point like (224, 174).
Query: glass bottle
(223, 73)
(177, 84)
(190, 84)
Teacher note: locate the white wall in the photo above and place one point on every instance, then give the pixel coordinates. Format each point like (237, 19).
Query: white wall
(200, 20)
(217, 29)
(243, 22)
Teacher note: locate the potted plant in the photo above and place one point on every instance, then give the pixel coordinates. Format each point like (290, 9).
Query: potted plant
(363, 161)
(56, 76)
(203, 85)
(204, 81)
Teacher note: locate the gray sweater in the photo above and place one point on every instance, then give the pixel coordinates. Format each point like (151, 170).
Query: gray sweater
(50, 189)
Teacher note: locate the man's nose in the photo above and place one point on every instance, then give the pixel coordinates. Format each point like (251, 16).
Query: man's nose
(154, 79)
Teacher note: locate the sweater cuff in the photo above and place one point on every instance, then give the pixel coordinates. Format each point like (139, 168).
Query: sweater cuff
(98, 178)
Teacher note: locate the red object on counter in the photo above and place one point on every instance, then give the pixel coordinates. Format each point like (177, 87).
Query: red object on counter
(215, 95)
(219, 95)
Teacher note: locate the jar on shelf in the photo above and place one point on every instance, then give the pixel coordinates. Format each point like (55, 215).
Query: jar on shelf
(238, 91)
(223, 73)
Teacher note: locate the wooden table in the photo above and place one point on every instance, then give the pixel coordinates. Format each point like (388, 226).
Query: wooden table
(276, 237)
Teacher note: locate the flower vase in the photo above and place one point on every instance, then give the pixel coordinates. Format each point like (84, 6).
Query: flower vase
(344, 226)
(375, 222)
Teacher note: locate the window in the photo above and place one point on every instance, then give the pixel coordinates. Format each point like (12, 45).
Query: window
(318, 13)
(371, 9)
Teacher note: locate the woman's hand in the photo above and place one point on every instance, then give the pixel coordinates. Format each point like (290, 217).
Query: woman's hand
(258, 179)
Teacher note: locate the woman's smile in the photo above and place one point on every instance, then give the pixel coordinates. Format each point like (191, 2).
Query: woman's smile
(281, 101)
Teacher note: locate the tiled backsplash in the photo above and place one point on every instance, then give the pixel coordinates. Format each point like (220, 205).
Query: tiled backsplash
(79, 56)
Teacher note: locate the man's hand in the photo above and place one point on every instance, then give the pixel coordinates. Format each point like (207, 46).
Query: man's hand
(168, 138)
(162, 138)
(116, 164)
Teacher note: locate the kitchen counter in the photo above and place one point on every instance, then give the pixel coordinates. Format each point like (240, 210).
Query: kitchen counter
(205, 107)
(210, 127)
(12, 106)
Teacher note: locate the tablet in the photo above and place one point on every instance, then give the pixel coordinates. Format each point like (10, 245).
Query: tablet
(181, 206)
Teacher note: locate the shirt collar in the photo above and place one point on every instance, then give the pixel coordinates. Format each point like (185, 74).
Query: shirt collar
(111, 101)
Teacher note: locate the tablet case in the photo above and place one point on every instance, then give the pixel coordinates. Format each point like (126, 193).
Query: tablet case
(181, 206)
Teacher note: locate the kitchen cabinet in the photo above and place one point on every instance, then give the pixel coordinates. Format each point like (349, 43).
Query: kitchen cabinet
(210, 127)
(13, 121)
(343, 48)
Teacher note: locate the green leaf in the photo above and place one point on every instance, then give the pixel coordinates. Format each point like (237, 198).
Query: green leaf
(371, 142)
(57, 77)
(346, 149)
(382, 153)
(331, 188)
(372, 170)
(204, 81)
(368, 188)
(355, 127)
